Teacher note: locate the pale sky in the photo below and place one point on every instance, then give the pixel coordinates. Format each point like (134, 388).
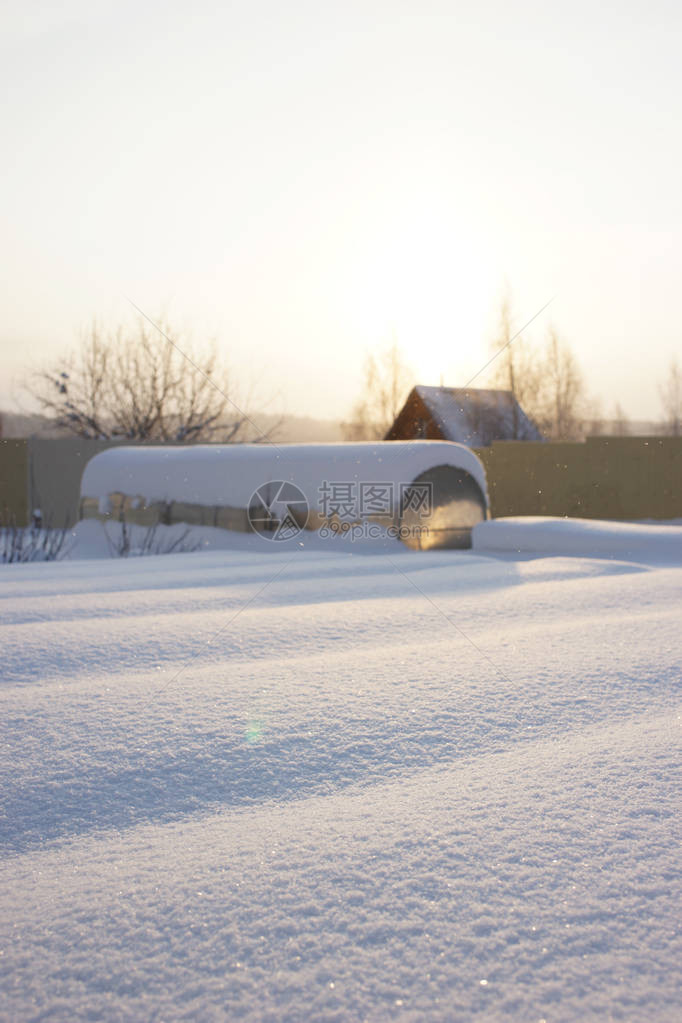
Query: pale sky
(305, 180)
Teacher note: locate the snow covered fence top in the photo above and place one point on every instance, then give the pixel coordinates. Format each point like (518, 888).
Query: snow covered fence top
(228, 476)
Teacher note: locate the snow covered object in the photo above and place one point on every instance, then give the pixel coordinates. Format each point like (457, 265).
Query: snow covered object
(427, 494)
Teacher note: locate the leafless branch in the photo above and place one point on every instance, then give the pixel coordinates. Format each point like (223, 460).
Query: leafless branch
(134, 385)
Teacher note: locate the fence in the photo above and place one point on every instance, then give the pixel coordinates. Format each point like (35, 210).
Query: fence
(14, 481)
(44, 474)
(603, 478)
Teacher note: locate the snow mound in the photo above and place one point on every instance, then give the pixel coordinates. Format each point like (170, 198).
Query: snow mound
(590, 538)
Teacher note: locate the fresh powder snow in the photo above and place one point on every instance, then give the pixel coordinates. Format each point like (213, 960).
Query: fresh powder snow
(309, 781)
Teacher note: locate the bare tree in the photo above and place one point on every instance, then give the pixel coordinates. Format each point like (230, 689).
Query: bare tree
(126, 540)
(561, 407)
(621, 423)
(517, 369)
(137, 385)
(387, 382)
(670, 391)
(547, 382)
(31, 543)
(594, 423)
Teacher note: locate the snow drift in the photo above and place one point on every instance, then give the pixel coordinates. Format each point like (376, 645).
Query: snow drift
(580, 537)
(329, 788)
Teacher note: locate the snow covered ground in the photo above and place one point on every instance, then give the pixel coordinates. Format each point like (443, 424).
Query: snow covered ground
(282, 783)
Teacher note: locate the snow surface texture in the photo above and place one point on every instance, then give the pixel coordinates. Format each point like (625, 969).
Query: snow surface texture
(584, 537)
(229, 474)
(305, 785)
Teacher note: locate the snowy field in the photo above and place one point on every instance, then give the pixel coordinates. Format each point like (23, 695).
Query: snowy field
(283, 783)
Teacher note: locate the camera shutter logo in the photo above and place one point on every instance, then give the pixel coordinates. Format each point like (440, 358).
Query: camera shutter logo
(278, 510)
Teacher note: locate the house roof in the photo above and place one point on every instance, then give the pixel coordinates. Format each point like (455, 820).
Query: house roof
(477, 416)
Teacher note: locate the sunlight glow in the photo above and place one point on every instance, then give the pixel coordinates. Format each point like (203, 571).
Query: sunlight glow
(428, 284)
